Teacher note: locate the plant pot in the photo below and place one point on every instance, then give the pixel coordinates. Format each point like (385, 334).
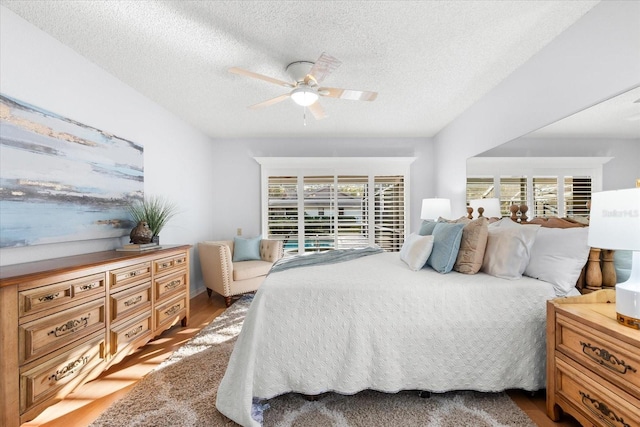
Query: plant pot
(155, 239)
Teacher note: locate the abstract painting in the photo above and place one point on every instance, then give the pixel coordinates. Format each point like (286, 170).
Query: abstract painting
(61, 180)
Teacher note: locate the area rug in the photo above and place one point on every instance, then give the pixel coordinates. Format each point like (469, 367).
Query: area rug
(182, 392)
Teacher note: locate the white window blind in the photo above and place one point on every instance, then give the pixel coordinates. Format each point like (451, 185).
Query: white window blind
(546, 196)
(389, 199)
(338, 212)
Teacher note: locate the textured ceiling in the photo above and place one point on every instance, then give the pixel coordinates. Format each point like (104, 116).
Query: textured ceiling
(429, 61)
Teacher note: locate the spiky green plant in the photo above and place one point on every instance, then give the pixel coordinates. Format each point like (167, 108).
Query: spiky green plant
(155, 210)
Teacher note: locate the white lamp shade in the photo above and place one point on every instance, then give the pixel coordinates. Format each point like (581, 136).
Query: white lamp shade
(435, 208)
(615, 224)
(615, 220)
(491, 207)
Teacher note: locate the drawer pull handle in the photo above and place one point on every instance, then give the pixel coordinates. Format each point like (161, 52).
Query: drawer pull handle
(69, 369)
(179, 261)
(49, 297)
(89, 286)
(606, 359)
(173, 310)
(71, 326)
(134, 332)
(172, 284)
(133, 301)
(602, 411)
(133, 274)
(165, 265)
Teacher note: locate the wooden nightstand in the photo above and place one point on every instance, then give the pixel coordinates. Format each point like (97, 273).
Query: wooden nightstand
(593, 362)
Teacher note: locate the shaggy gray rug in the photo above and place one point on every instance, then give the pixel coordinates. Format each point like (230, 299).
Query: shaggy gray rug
(182, 392)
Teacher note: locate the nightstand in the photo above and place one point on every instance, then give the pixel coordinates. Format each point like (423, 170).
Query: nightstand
(593, 362)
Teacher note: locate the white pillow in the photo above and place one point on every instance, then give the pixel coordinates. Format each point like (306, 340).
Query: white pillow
(508, 248)
(416, 250)
(558, 256)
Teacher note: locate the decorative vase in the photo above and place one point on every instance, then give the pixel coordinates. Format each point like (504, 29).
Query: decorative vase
(141, 233)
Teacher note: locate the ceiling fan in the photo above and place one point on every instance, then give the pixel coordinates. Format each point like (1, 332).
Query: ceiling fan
(306, 88)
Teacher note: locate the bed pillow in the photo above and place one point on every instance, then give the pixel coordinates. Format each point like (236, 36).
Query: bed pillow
(472, 246)
(508, 249)
(557, 257)
(416, 250)
(426, 228)
(246, 249)
(446, 242)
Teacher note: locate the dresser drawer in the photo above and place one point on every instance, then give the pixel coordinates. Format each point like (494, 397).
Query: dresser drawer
(50, 296)
(169, 285)
(49, 333)
(602, 405)
(590, 348)
(171, 311)
(166, 265)
(130, 275)
(133, 331)
(126, 303)
(40, 381)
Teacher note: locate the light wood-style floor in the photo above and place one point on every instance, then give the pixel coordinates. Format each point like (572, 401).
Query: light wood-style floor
(84, 405)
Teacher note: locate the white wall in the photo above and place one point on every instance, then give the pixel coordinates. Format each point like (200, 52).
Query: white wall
(238, 200)
(596, 58)
(38, 69)
(620, 172)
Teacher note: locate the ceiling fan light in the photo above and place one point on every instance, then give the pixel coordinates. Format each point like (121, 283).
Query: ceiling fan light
(304, 96)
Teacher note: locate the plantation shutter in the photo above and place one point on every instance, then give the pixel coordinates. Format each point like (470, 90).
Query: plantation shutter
(389, 211)
(282, 211)
(545, 197)
(352, 217)
(577, 193)
(513, 191)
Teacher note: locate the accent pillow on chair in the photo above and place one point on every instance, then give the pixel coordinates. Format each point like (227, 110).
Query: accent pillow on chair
(246, 249)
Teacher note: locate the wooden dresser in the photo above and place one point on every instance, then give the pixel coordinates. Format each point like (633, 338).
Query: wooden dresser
(63, 321)
(593, 362)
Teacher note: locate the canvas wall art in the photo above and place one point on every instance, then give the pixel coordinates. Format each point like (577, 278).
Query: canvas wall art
(61, 180)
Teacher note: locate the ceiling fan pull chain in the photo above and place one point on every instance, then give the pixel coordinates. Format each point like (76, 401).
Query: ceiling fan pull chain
(304, 116)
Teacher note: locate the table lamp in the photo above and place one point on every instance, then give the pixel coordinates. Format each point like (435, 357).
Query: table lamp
(490, 205)
(615, 224)
(435, 208)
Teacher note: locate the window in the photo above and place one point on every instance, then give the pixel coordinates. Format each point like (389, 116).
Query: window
(547, 188)
(312, 210)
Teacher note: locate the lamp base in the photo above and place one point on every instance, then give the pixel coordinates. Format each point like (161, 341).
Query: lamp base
(628, 304)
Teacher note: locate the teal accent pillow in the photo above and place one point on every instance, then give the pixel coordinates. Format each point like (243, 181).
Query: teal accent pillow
(446, 242)
(246, 249)
(622, 263)
(426, 228)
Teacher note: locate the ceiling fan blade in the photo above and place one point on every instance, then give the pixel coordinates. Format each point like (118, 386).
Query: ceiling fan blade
(324, 66)
(242, 72)
(355, 95)
(317, 111)
(269, 102)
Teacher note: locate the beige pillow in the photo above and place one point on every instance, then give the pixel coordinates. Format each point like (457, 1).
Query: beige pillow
(508, 248)
(472, 245)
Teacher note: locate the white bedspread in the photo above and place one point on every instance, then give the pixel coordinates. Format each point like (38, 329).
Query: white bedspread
(372, 323)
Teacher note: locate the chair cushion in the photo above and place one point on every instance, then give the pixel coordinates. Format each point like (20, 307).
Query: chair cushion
(249, 269)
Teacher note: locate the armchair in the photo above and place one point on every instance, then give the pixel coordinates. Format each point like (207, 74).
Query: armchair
(229, 278)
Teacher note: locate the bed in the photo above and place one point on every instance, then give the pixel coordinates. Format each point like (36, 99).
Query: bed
(373, 323)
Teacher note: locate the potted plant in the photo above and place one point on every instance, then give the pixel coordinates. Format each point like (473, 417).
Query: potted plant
(156, 211)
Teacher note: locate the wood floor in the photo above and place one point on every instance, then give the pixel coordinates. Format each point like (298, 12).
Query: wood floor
(83, 406)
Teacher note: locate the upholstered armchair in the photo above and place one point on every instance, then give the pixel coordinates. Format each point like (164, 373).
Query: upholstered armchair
(227, 277)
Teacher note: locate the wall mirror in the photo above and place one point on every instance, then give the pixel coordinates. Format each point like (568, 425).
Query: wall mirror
(554, 169)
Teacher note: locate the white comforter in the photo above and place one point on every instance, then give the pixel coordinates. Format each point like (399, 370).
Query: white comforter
(372, 323)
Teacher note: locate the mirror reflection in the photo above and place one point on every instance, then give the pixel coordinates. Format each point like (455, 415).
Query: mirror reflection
(555, 169)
